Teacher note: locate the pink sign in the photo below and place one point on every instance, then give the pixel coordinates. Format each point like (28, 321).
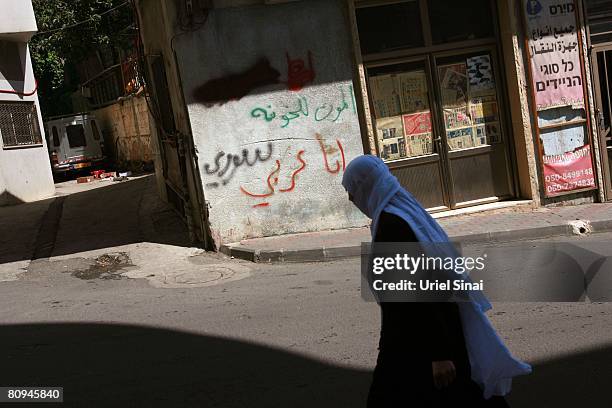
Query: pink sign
(555, 53)
(417, 123)
(568, 171)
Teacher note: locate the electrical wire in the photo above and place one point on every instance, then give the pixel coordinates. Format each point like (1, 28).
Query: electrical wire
(81, 22)
(12, 92)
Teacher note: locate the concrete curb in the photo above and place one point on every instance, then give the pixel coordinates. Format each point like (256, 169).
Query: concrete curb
(322, 254)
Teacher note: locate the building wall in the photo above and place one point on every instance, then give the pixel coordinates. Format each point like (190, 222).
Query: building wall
(270, 97)
(25, 172)
(17, 20)
(127, 128)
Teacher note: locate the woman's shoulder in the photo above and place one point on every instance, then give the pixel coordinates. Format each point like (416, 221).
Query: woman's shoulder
(393, 228)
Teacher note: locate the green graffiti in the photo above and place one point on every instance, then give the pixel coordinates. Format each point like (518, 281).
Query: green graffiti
(259, 112)
(331, 112)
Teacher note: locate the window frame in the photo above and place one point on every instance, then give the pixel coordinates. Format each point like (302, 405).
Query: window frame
(36, 137)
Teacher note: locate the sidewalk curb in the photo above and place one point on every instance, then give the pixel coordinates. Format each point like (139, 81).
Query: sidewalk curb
(323, 254)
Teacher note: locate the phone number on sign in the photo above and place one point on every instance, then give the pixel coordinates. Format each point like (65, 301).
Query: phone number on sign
(569, 175)
(571, 185)
(33, 394)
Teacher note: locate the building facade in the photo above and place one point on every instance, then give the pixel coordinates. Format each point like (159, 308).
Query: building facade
(470, 103)
(25, 170)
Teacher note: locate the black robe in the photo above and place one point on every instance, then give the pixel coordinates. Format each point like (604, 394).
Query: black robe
(412, 336)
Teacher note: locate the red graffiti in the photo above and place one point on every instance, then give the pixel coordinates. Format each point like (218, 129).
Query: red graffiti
(295, 173)
(342, 154)
(261, 205)
(298, 75)
(326, 150)
(269, 181)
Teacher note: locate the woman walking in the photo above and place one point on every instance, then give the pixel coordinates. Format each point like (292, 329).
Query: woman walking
(437, 354)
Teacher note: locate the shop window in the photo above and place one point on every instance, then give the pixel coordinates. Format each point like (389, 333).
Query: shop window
(390, 27)
(469, 101)
(56, 141)
(94, 130)
(19, 124)
(76, 136)
(453, 20)
(400, 100)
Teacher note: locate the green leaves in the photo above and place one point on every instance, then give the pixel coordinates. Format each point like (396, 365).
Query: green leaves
(70, 31)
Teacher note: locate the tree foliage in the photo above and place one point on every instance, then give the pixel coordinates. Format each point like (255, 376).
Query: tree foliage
(56, 53)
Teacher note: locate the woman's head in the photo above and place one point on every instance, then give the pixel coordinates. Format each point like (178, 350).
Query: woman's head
(369, 184)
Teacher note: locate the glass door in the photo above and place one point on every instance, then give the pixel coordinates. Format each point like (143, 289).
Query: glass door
(602, 73)
(476, 153)
(404, 124)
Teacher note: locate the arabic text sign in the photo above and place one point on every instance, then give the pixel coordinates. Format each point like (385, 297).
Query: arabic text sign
(568, 171)
(555, 53)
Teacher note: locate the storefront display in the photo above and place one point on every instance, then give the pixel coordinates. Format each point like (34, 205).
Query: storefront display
(403, 119)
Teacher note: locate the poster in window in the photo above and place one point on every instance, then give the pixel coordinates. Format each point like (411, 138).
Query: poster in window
(391, 149)
(454, 85)
(457, 118)
(413, 91)
(389, 128)
(554, 52)
(568, 171)
(419, 144)
(480, 74)
(391, 140)
(460, 138)
(415, 123)
(385, 96)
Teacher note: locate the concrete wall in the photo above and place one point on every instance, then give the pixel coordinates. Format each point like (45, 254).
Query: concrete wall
(270, 98)
(25, 172)
(17, 21)
(127, 128)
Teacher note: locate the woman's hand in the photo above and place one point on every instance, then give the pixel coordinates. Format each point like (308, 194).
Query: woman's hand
(444, 373)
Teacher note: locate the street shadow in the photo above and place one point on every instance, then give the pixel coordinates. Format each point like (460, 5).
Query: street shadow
(101, 365)
(576, 380)
(119, 213)
(111, 365)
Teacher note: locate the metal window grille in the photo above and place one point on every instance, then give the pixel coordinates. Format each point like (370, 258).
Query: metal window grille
(19, 124)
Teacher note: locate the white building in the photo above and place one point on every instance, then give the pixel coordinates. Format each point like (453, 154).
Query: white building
(25, 171)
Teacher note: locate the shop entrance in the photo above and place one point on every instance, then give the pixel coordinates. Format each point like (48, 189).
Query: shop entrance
(599, 14)
(435, 98)
(602, 72)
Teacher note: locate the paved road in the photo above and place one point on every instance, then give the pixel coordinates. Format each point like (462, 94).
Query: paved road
(276, 336)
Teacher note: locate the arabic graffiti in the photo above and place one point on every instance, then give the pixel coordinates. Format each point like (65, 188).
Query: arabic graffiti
(297, 73)
(236, 86)
(273, 180)
(331, 112)
(555, 54)
(327, 150)
(233, 162)
(272, 184)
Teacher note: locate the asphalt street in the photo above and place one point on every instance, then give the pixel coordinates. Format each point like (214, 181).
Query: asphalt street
(272, 336)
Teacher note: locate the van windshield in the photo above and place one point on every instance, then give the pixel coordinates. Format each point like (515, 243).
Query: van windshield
(76, 135)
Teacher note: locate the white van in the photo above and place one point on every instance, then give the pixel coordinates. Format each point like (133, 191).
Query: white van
(75, 143)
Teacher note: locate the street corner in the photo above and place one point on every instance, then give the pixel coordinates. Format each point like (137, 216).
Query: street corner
(170, 267)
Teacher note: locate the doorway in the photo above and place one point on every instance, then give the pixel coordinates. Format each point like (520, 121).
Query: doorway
(435, 99)
(602, 73)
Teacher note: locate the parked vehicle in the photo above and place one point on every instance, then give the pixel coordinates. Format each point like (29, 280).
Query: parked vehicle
(75, 143)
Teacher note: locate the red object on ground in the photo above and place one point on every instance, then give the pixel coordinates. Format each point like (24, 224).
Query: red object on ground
(97, 173)
(87, 179)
